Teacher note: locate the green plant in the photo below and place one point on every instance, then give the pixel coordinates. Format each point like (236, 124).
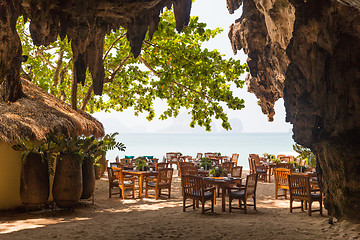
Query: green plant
(141, 165)
(218, 172)
(271, 157)
(305, 154)
(95, 149)
(217, 154)
(206, 163)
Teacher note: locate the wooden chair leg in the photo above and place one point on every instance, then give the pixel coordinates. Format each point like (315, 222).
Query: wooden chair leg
(291, 203)
(203, 207)
(309, 209)
(194, 203)
(276, 192)
(320, 202)
(285, 193)
(244, 205)
(184, 201)
(254, 203)
(230, 200)
(212, 206)
(123, 193)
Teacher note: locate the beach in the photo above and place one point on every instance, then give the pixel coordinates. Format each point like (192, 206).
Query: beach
(114, 218)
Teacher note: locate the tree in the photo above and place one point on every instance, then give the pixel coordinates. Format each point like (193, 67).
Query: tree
(173, 67)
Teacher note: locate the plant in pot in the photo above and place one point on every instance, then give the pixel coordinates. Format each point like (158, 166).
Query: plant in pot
(205, 163)
(218, 172)
(34, 181)
(108, 142)
(141, 165)
(272, 158)
(67, 186)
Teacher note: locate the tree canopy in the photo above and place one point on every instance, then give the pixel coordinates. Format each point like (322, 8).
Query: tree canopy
(173, 67)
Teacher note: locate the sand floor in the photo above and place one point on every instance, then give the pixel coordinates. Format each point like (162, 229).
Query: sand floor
(113, 218)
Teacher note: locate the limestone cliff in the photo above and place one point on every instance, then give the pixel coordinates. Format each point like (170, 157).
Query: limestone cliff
(308, 52)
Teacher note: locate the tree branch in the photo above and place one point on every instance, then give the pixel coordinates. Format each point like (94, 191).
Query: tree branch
(112, 45)
(106, 80)
(62, 79)
(55, 81)
(39, 53)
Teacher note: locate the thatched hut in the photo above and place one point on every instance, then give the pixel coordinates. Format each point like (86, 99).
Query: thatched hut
(35, 115)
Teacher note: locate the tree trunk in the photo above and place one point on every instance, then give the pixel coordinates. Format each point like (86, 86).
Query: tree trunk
(10, 52)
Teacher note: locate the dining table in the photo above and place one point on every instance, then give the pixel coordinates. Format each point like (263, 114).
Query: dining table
(140, 175)
(222, 183)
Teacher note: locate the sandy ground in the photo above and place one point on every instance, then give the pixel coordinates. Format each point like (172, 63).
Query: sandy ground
(113, 218)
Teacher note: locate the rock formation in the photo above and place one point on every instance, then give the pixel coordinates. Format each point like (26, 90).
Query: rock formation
(308, 52)
(85, 23)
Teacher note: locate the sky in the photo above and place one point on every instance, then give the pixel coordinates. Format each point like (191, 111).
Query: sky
(250, 119)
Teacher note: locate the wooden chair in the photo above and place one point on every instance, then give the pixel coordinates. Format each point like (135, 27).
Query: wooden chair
(234, 159)
(124, 183)
(227, 166)
(113, 182)
(161, 165)
(189, 170)
(285, 165)
(126, 161)
(257, 168)
(194, 187)
(237, 173)
(299, 186)
(162, 181)
(172, 158)
(198, 156)
(210, 155)
(244, 193)
(184, 164)
(117, 159)
(284, 158)
(281, 181)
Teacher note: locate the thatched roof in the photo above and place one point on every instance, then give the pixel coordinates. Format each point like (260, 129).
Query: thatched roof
(39, 113)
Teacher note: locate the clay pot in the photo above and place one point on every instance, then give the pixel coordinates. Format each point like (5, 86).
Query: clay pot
(34, 182)
(88, 176)
(67, 187)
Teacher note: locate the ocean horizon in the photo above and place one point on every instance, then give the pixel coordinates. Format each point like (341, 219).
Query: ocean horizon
(158, 144)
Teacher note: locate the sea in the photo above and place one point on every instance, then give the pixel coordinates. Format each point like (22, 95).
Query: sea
(158, 144)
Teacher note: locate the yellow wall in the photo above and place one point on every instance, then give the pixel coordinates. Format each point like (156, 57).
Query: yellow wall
(10, 170)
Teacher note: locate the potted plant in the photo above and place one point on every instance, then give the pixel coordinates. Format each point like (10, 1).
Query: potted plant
(141, 165)
(218, 172)
(205, 163)
(67, 186)
(272, 158)
(34, 181)
(108, 142)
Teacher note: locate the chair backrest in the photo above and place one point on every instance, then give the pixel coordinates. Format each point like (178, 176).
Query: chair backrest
(251, 183)
(183, 164)
(161, 165)
(192, 186)
(299, 186)
(118, 173)
(116, 164)
(189, 170)
(235, 158)
(281, 177)
(210, 155)
(236, 171)
(117, 159)
(256, 159)
(285, 165)
(126, 161)
(280, 156)
(285, 158)
(164, 176)
(228, 166)
(252, 164)
(199, 155)
(111, 175)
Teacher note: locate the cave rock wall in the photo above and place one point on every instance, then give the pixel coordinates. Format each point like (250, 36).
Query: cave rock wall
(309, 54)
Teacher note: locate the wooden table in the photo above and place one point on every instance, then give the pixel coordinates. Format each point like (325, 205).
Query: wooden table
(140, 175)
(203, 173)
(222, 183)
